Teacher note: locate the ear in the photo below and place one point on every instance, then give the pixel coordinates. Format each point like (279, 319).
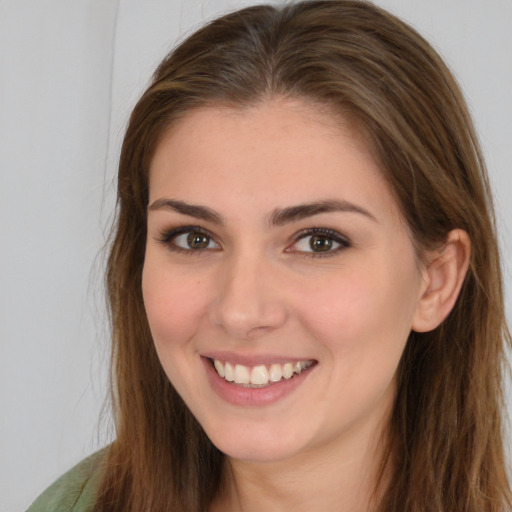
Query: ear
(443, 276)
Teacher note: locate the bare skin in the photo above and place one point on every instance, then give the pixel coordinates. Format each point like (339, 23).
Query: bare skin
(273, 237)
(317, 481)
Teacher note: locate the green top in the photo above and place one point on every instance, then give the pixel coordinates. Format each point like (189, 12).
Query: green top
(75, 491)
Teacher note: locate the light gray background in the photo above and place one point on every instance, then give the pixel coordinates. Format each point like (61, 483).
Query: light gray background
(69, 74)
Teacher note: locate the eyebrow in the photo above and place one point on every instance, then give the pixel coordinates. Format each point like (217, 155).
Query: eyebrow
(302, 211)
(199, 212)
(278, 217)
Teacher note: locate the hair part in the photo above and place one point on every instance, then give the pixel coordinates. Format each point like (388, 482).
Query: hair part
(445, 440)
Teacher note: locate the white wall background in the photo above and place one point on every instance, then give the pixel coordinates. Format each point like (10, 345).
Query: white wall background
(70, 71)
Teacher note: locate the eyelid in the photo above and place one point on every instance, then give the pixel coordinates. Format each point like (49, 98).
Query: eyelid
(343, 241)
(166, 237)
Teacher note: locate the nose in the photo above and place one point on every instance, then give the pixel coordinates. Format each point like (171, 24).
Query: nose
(249, 301)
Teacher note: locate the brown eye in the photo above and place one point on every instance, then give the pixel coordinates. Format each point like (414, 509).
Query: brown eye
(188, 239)
(198, 240)
(321, 243)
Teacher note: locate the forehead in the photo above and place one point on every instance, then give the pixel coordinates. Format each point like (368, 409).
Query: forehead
(281, 152)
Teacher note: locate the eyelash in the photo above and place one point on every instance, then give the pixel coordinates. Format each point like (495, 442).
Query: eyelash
(167, 238)
(329, 234)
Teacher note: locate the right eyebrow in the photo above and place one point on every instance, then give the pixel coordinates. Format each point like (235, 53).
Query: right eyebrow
(192, 210)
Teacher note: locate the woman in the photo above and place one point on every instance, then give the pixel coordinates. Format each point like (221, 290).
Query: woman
(304, 279)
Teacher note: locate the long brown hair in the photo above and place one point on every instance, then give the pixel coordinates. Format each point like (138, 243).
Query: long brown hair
(361, 63)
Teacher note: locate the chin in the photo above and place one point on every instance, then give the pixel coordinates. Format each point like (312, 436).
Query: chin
(257, 444)
(263, 454)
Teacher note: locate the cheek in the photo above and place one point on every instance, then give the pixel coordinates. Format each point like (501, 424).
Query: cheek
(363, 324)
(174, 305)
(363, 313)
(175, 309)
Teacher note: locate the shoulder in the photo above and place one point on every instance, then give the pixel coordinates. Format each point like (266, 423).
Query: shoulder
(75, 491)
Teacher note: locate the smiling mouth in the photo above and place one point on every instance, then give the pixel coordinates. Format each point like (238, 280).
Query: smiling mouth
(259, 376)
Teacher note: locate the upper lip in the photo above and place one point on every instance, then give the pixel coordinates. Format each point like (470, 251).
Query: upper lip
(254, 360)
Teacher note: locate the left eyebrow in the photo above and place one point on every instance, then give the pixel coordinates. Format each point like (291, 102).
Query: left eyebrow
(283, 216)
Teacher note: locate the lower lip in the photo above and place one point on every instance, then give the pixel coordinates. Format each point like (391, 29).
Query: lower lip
(238, 395)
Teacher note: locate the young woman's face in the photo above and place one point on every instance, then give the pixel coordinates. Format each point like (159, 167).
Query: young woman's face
(276, 247)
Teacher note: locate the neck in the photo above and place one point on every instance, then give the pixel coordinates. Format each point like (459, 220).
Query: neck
(328, 478)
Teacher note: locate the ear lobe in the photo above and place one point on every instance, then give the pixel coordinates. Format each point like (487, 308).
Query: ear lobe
(443, 277)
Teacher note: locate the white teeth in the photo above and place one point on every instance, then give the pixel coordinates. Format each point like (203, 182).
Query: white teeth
(229, 372)
(287, 370)
(242, 374)
(260, 375)
(219, 367)
(276, 373)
